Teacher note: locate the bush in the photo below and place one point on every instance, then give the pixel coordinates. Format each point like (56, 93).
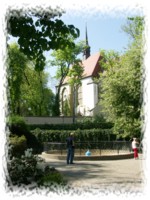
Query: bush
(18, 127)
(88, 124)
(17, 145)
(51, 176)
(31, 168)
(80, 135)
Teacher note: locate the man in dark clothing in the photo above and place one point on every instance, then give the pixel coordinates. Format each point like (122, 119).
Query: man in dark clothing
(70, 148)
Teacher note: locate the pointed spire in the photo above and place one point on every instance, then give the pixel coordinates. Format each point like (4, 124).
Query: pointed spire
(86, 35)
(87, 50)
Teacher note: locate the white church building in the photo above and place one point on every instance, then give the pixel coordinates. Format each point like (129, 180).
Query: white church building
(87, 94)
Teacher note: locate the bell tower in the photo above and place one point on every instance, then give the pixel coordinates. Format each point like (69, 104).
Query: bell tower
(86, 53)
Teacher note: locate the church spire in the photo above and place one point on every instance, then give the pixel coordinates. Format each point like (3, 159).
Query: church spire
(87, 50)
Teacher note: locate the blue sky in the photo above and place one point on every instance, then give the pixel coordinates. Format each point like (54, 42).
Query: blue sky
(103, 32)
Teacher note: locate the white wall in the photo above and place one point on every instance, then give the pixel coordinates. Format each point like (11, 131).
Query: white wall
(89, 96)
(88, 89)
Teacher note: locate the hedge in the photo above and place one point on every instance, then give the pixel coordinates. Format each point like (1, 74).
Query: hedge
(76, 126)
(80, 135)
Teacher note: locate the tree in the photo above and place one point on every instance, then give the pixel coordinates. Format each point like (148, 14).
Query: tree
(40, 31)
(75, 76)
(121, 97)
(67, 63)
(36, 98)
(27, 88)
(17, 63)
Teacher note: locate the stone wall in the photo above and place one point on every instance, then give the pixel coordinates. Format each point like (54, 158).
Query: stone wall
(48, 120)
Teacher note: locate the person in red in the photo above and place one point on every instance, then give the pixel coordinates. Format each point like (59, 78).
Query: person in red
(135, 147)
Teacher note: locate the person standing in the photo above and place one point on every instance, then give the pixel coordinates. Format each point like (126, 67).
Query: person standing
(70, 148)
(135, 147)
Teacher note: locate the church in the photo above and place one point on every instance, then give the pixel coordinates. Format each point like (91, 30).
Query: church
(85, 102)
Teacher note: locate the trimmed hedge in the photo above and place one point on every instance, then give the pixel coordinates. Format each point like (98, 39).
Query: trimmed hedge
(80, 135)
(76, 126)
(35, 137)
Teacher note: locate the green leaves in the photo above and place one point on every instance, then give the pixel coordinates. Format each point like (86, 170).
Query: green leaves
(17, 63)
(28, 92)
(75, 74)
(68, 64)
(121, 84)
(38, 33)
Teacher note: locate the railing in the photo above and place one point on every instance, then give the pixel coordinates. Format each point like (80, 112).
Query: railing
(96, 148)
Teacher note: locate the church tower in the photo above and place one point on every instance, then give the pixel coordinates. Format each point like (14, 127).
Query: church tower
(86, 53)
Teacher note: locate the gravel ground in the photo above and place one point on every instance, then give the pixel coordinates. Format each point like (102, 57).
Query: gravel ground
(117, 176)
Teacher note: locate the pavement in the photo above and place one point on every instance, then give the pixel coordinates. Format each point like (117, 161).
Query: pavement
(122, 176)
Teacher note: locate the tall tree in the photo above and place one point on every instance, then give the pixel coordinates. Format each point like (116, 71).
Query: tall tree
(36, 98)
(64, 60)
(121, 86)
(39, 31)
(17, 63)
(27, 88)
(75, 75)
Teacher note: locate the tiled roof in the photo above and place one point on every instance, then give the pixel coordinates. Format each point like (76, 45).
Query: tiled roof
(91, 65)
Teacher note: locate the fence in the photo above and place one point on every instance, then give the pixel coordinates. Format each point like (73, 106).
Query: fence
(96, 148)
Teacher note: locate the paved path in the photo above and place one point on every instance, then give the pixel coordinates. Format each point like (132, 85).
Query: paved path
(121, 175)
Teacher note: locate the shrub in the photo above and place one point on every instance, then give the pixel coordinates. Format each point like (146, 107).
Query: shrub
(31, 168)
(80, 135)
(18, 127)
(88, 124)
(17, 145)
(51, 176)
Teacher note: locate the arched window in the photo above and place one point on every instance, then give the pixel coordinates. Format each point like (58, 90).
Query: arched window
(65, 107)
(64, 94)
(79, 95)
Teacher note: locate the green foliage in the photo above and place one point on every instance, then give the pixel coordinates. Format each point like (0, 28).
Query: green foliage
(44, 33)
(81, 135)
(23, 170)
(75, 74)
(68, 66)
(17, 126)
(30, 168)
(55, 108)
(37, 98)
(66, 108)
(134, 27)
(28, 91)
(17, 62)
(121, 88)
(51, 176)
(17, 145)
(86, 124)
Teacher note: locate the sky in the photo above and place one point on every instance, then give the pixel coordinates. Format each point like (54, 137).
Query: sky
(104, 29)
(104, 32)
